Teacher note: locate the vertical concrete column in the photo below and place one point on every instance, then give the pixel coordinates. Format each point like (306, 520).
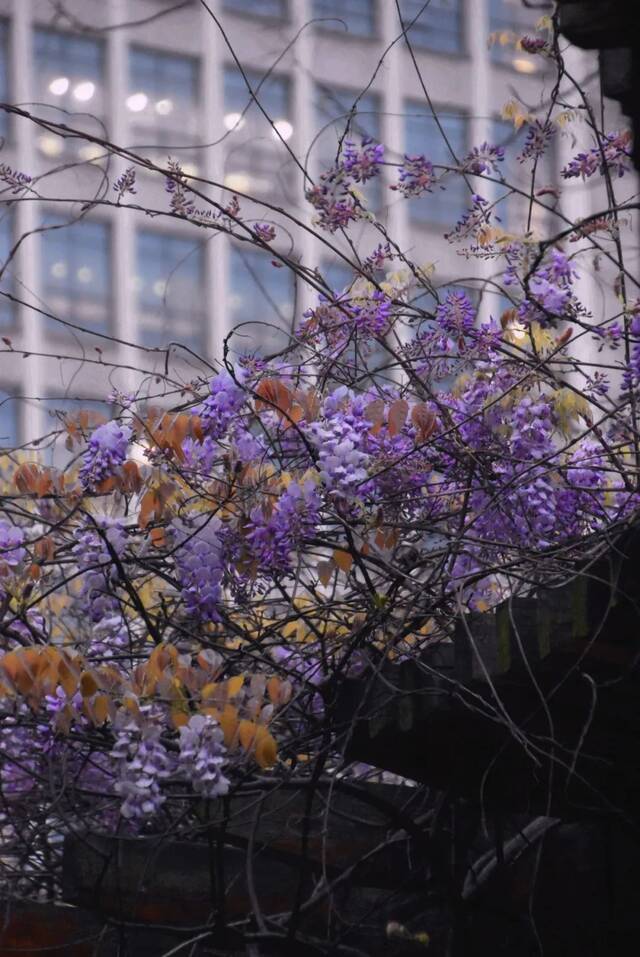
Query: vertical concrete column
(123, 251)
(211, 162)
(304, 127)
(392, 120)
(31, 326)
(476, 20)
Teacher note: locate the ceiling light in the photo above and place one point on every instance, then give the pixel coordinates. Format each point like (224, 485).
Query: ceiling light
(59, 270)
(164, 107)
(90, 152)
(284, 128)
(84, 91)
(233, 121)
(59, 86)
(523, 66)
(84, 274)
(50, 145)
(159, 288)
(238, 182)
(137, 102)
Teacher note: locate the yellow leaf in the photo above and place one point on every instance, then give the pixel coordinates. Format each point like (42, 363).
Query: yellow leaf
(179, 717)
(234, 685)
(229, 724)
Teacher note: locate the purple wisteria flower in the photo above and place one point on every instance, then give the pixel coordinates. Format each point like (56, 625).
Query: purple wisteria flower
(362, 162)
(125, 183)
(274, 539)
(415, 177)
(339, 440)
(539, 135)
(202, 756)
(199, 562)
(142, 763)
(92, 552)
(222, 405)
(265, 232)
(456, 315)
(11, 541)
(106, 453)
(614, 156)
(483, 159)
(534, 44)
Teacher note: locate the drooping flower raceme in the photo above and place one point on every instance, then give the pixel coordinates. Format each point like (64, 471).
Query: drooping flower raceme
(200, 568)
(142, 762)
(107, 452)
(221, 406)
(202, 756)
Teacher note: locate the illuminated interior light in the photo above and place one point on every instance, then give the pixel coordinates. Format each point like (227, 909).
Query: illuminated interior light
(284, 128)
(59, 270)
(164, 107)
(59, 86)
(189, 169)
(233, 121)
(84, 274)
(84, 91)
(239, 182)
(523, 66)
(159, 288)
(90, 151)
(50, 145)
(137, 102)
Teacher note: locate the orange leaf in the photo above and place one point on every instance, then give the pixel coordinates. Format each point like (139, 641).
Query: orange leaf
(397, 416)
(273, 689)
(423, 419)
(273, 395)
(247, 733)
(88, 684)
(266, 748)
(101, 709)
(325, 571)
(344, 560)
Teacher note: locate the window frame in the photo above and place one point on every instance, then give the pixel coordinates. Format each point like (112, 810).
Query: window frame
(326, 28)
(463, 50)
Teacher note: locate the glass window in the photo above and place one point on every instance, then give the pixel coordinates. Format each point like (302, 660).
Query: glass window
(437, 26)
(338, 275)
(162, 102)
(357, 15)
(260, 8)
(9, 429)
(76, 271)
(260, 292)
(7, 308)
(4, 76)
(337, 119)
(423, 138)
(169, 285)
(510, 20)
(256, 161)
(69, 76)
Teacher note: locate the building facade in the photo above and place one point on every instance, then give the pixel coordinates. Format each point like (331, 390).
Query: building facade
(172, 79)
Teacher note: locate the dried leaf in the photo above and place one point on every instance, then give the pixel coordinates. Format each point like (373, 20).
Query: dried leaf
(344, 560)
(397, 416)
